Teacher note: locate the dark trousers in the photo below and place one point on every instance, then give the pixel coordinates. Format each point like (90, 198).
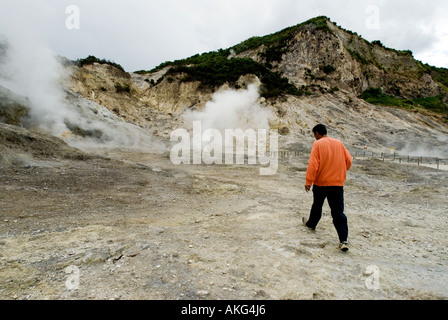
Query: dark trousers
(335, 197)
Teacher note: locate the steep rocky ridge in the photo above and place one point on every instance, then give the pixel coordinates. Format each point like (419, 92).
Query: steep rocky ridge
(396, 72)
(321, 53)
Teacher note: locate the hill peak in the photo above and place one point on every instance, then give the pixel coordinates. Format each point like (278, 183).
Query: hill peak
(312, 58)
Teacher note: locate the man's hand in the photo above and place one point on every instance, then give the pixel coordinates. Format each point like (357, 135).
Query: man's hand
(307, 188)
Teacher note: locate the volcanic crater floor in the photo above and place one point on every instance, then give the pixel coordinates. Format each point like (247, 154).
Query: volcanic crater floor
(125, 225)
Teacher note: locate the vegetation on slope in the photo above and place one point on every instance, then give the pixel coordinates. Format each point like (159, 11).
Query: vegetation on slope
(439, 75)
(433, 104)
(276, 44)
(93, 59)
(215, 68)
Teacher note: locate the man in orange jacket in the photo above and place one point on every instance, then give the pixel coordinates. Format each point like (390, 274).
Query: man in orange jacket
(327, 171)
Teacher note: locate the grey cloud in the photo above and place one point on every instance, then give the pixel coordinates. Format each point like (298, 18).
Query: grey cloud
(141, 34)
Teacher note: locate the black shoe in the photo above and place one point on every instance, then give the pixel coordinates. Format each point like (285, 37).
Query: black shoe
(304, 221)
(344, 246)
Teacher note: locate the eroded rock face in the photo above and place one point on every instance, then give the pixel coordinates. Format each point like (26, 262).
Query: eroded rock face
(344, 60)
(173, 96)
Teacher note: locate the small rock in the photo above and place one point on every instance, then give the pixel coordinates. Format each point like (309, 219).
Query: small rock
(96, 256)
(116, 250)
(202, 293)
(132, 252)
(260, 294)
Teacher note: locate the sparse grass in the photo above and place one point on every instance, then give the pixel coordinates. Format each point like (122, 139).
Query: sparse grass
(433, 104)
(357, 56)
(438, 74)
(276, 44)
(376, 96)
(282, 37)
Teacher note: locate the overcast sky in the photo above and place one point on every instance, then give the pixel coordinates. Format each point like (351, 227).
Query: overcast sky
(141, 34)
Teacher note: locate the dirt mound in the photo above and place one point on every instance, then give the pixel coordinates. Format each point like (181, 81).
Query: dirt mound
(19, 145)
(12, 107)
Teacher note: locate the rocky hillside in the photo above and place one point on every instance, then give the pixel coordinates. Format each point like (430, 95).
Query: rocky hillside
(314, 72)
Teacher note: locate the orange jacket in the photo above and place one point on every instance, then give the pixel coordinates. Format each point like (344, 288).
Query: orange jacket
(328, 164)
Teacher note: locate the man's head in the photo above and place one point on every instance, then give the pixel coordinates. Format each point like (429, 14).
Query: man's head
(319, 131)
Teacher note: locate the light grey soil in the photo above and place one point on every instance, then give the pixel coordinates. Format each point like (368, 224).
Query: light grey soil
(135, 226)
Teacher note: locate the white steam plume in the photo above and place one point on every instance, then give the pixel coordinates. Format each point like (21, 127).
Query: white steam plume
(31, 69)
(435, 144)
(232, 109)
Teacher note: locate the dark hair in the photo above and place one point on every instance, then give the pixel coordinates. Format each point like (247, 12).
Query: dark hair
(320, 129)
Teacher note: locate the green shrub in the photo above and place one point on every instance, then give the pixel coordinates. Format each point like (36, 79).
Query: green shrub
(356, 55)
(334, 89)
(273, 85)
(438, 74)
(93, 59)
(274, 53)
(320, 23)
(378, 43)
(376, 96)
(435, 104)
(214, 70)
(328, 69)
(120, 88)
(273, 42)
